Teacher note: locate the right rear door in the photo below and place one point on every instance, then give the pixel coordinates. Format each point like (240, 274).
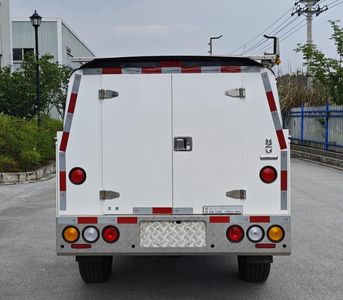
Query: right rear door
(216, 125)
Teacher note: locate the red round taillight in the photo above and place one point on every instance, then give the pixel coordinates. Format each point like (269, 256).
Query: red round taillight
(77, 176)
(110, 234)
(268, 174)
(235, 234)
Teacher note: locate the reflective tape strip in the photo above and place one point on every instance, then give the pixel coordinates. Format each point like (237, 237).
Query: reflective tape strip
(111, 70)
(63, 181)
(170, 70)
(283, 180)
(283, 200)
(246, 69)
(95, 71)
(72, 103)
(62, 161)
(259, 219)
(87, 220)
(148, 70)
(271, 101)
(107, 220)
(183, 211)
(279, 219)
(64, 141)
(172, 67)
(281, 139)
(239, 219)
(163, 210)
(191, 69)
(230, 69)
(76, 84)
(142, 210)
(67, 123)
(266, 82)
(284, 160)
(66, 220)
(276, 120)
(219, 219)
(211, 69)
(131, 70)
(127, 220)
(63, 201)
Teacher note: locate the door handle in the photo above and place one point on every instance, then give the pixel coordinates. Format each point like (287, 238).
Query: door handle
(183, 143)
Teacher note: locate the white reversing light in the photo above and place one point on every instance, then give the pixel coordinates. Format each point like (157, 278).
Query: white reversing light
(90, 234)
(255, 233)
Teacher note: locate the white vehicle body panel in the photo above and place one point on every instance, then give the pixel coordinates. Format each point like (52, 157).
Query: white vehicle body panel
(137, 142)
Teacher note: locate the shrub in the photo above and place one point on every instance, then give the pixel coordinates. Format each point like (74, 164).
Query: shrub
(23, 145)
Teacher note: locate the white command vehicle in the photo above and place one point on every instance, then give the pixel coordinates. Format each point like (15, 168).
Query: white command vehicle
(177, 155)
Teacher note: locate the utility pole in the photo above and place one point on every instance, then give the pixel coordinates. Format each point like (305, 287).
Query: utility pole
(308, 8)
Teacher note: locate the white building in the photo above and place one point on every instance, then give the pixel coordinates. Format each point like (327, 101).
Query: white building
(5, 34)
(55, 37)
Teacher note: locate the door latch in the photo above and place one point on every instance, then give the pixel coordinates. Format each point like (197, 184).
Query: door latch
(183, 143)
(236, 93)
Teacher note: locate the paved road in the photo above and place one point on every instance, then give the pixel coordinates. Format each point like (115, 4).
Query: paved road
(29, 268)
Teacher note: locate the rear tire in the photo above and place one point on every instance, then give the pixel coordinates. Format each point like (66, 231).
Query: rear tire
(95, 269)
(253, 271)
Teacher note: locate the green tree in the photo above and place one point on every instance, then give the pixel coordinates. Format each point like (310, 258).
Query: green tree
(327, 71)
(17, 89)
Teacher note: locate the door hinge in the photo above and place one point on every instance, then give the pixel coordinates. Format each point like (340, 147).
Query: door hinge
(106, 195)
(237, 194)
(107, 94)
(236, 93)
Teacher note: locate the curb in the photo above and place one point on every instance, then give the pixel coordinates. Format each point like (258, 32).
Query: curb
(21, 177)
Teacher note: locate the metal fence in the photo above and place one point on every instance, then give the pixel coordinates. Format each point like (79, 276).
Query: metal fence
(320, 127)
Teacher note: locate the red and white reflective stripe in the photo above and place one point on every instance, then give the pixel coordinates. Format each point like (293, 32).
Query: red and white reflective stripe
(281, 138)
(171, 68)
(64, 142)
(273, 110)
(163, 210)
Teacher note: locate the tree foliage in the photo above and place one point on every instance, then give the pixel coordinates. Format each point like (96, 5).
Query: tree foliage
(328, 72)
(18, 88)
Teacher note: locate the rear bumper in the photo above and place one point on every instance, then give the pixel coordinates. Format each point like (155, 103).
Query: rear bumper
(213, 233)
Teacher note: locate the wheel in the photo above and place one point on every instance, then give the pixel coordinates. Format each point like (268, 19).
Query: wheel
(253, 269)
(95, 269)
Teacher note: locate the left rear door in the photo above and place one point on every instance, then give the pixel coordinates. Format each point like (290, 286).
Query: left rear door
(137, 142)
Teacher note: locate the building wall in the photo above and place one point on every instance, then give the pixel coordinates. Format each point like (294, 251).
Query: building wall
(24, 37)
(5, 34)
(72, 47)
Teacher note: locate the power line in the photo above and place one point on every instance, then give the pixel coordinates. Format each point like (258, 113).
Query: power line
(335, 4)
(258, 35)
(302, 23)
(256, 45)
(293, 32)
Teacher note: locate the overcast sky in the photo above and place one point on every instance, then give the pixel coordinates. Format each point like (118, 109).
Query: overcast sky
(156, 27)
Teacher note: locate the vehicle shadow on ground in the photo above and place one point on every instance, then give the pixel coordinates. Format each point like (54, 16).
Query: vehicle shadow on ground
(183, 277)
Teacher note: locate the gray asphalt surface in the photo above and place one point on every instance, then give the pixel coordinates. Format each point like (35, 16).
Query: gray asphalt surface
(30, 269)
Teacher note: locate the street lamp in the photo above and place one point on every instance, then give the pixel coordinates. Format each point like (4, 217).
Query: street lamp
(210, 43)
(36, 20)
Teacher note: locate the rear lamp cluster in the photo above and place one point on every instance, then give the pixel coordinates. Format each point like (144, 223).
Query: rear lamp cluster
(268, 174)
(77, 176)
(255, 233)
(90, 234)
